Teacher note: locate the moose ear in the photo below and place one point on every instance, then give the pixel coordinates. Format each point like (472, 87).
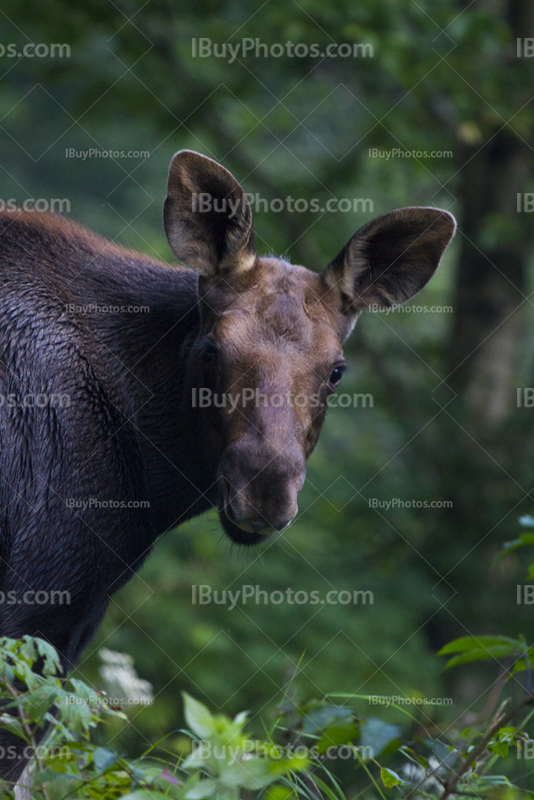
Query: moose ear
(389, 259)
(207, 217)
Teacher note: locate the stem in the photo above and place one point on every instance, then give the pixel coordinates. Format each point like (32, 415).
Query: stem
(450, 785)
(13, 692)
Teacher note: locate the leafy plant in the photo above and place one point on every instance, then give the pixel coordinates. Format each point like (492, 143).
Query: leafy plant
(54, 719)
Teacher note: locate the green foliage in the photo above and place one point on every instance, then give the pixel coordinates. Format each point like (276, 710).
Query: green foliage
(223, 763)
(524, 540)
(390, 778)
(67, 764)
(483, 648)
(226, 758)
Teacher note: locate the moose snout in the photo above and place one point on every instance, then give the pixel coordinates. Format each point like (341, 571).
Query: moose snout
(260, 485)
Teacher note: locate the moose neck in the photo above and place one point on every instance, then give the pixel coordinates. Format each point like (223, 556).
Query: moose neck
(148, 351)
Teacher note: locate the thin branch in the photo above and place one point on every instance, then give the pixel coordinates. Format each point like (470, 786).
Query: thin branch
(450, 786)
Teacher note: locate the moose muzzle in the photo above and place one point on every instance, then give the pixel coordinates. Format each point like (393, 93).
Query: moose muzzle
(260, 484)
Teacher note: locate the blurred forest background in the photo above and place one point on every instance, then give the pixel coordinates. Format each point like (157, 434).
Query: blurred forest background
(445, 425)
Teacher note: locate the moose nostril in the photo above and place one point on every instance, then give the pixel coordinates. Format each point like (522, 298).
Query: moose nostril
(263, 504)
(258, 525)
(253, 525)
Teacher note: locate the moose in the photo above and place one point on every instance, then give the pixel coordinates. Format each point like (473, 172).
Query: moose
(118, 343)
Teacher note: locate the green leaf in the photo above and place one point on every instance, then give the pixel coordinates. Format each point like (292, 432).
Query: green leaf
(46, 775)
(524, 540)
(278, 793)
(422, 760)
(198, 717)
(202, 789)
(257, 773)
(194, 760)
(7, 722)
(377, 734)
(500, 749)
(392, 746)
(82, 690)
(390, 778)
(470, 734)
(520, 665)
(494, 651)
(466, 643)
(498, 780)
(103, 759)
(319, 717)
(51, 658)
(339, 732)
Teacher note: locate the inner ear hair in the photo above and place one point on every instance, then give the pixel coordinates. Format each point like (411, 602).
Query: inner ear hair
(390, 258)
(207, 216)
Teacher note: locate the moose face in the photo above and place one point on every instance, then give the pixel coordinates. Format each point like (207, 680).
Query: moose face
(268, 353)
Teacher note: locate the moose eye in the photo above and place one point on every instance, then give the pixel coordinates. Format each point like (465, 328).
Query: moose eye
(337, 374)
(209, 354)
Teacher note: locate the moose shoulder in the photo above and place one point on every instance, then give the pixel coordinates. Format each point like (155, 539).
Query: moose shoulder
(113, 369)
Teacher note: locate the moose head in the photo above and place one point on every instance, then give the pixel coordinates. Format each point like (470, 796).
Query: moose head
(267, 354)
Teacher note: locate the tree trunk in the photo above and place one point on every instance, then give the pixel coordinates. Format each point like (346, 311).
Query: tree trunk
(491, 286)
